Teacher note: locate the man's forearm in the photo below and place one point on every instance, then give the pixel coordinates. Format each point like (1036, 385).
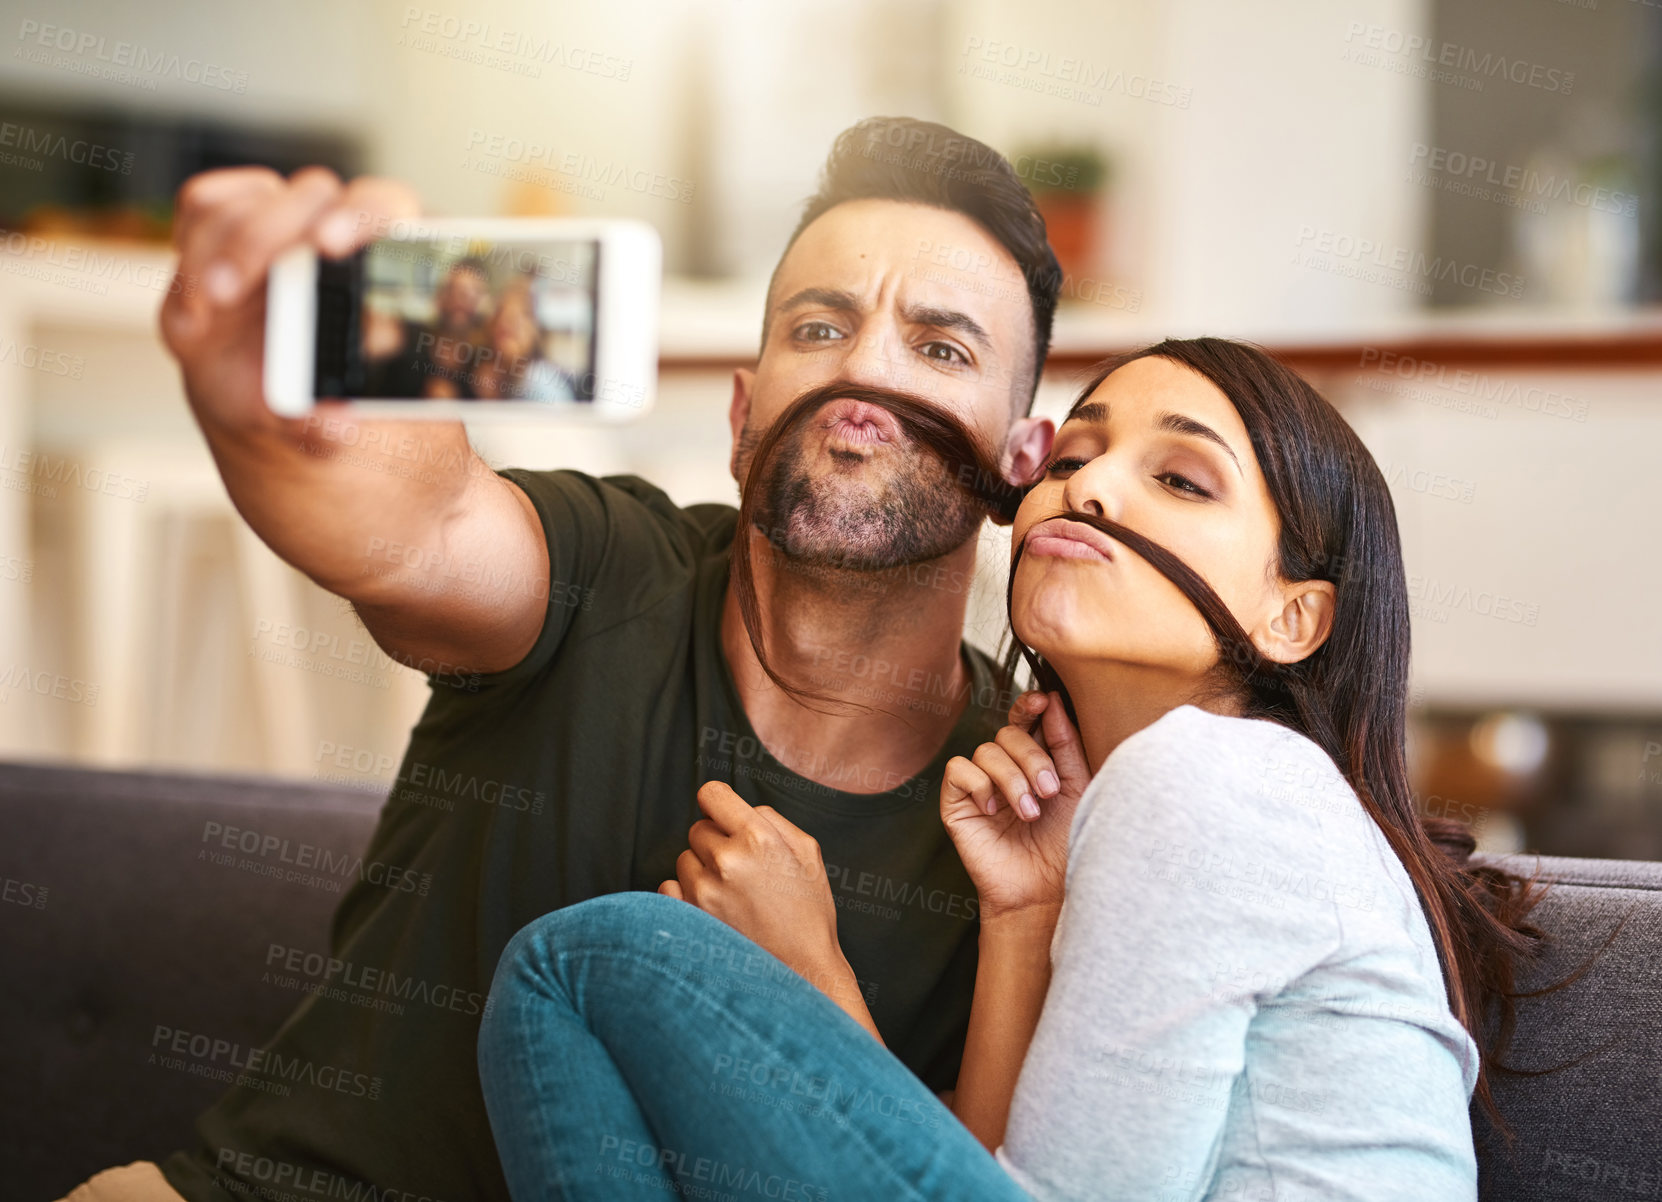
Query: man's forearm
(444, 561)
(324, 493)
(835, 978)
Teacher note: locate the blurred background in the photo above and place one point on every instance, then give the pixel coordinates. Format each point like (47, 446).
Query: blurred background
(1443, 211)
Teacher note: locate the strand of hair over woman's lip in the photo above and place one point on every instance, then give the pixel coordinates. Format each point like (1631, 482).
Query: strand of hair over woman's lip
(1237, 654)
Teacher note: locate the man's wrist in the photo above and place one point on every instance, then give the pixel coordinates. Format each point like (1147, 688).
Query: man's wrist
(836, 980)
(834, 977)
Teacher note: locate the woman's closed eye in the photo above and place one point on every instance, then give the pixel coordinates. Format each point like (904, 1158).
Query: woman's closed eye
(1181, 483)
(1063, 464)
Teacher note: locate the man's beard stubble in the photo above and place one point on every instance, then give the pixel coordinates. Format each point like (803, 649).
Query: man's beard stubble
(909, 509)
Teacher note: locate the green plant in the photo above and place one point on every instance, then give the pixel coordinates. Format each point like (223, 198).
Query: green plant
(1064, 168)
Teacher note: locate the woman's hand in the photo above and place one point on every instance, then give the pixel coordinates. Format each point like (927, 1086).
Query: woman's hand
(1009, 808)
(764, 876)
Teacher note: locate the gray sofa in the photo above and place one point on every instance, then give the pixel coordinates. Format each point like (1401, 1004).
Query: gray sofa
(115, 927)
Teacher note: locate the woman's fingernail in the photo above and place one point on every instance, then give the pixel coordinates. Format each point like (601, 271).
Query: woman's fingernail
(1027, 807)
(1048, 784)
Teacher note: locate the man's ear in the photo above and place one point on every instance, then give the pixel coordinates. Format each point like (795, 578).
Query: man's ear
(1026, 448)
(738, 412)
(1299, 628)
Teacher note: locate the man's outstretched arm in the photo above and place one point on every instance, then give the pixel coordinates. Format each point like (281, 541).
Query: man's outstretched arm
(445, 561)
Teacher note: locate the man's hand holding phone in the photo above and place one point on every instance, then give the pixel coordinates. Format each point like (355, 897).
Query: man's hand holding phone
(230, 226)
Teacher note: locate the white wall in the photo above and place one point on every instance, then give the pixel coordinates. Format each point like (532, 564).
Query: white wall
(299, 61)
(1271, 130)
(1274, 130)
(624, 111)
(1533, 541)
(1279, 131)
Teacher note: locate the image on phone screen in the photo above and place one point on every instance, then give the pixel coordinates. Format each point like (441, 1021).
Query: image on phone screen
(459, 319)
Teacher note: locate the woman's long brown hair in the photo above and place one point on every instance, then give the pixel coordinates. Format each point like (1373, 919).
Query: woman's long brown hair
(1349, 697)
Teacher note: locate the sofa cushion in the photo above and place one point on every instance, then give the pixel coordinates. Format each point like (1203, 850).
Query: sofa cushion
(133, 939)
(1592, 1130)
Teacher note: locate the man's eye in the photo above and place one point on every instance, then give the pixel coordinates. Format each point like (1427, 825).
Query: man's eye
(1182, 484)
(1063, 464)
(817, 331)
(945, 352)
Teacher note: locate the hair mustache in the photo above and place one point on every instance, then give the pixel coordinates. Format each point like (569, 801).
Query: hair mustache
(966, 458)
(1236, 650)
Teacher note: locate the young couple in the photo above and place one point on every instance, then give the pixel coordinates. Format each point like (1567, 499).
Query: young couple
(1220, 954)
(1217, 955)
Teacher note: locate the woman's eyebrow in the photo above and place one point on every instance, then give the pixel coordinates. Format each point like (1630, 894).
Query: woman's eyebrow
(1177, 423)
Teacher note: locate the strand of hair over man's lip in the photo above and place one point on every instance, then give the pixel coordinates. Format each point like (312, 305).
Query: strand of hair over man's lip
(967, 461)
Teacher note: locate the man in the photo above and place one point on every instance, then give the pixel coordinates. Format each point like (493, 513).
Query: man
(590, 666)
(409, 359)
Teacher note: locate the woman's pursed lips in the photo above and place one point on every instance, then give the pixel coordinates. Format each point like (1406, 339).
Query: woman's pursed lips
(1068, 539)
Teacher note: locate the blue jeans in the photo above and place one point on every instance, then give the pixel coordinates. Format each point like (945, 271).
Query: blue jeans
(636, 1047)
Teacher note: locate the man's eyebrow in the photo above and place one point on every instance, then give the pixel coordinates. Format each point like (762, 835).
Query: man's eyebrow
(947, 319)
(1179, 424)
(825, 298)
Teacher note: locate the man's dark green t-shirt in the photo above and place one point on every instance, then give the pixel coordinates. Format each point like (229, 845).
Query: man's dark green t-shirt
(574, 774)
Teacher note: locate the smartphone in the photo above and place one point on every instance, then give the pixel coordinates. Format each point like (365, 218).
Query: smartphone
(490, 318)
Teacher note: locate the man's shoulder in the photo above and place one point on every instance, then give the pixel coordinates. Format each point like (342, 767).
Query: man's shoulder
(618, 549)
(628, 500)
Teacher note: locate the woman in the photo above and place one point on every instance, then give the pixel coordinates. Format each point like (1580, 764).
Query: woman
(517, 368)
(1220, 956)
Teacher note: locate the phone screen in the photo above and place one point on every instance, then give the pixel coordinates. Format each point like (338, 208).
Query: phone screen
(459, 319)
